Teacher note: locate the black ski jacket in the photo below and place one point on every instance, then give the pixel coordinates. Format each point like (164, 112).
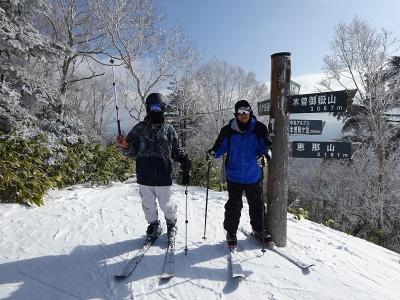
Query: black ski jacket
(153, 146)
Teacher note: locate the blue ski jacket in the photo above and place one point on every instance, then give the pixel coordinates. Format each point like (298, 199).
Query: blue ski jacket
(242, 149)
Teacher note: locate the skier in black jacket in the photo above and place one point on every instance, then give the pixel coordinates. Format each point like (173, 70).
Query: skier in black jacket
(153, 143)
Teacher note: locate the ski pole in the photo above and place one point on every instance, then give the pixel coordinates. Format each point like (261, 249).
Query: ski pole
(263, 202)
(208, 186)
(186, 221)
(115, 96)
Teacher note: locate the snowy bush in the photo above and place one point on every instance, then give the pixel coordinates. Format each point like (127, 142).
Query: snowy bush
(29, 167)
(198, 174)
(24, 173)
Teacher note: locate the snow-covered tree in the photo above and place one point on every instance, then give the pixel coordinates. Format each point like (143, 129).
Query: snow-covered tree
(151, 53)
(72, 24)
(92, 102)
(362, 54)
(184, 107)
(349, 195)
(24, 89)
(360, 195)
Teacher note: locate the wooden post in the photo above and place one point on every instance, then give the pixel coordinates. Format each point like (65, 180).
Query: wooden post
(277, 180)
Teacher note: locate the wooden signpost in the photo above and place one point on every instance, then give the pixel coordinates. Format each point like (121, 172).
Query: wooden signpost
(285, 101)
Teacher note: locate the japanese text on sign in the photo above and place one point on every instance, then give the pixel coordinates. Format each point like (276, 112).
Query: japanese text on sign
(305, 127)
(321, 150)
(318, 102)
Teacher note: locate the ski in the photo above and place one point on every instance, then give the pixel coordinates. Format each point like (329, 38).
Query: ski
(169, 264)
(234, 262)
(294, 260)
(131, 265)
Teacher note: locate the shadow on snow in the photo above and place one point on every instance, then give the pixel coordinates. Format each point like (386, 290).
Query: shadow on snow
(88, 271)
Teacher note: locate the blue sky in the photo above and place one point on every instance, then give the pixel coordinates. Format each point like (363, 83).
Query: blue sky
(246, 33)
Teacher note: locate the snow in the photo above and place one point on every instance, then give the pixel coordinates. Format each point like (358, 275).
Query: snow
(72, 247)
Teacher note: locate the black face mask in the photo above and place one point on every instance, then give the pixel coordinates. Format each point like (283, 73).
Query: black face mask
(156, 117)
(243, 126)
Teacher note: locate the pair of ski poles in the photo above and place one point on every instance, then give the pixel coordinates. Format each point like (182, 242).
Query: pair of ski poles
(119, 133)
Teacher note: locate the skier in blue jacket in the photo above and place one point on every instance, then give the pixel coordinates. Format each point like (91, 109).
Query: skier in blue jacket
(243, 140)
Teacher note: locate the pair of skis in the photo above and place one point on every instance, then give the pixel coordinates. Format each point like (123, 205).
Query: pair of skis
(236, 267)
(169, 262)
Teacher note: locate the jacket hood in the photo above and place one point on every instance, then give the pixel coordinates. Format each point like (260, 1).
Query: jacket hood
(234, 125)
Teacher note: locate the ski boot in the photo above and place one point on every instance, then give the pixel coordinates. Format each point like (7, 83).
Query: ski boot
(171, 228)
(153, 230)
(263, 237)
(231, 240)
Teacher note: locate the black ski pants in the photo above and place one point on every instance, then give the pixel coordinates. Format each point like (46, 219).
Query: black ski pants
(234, 205)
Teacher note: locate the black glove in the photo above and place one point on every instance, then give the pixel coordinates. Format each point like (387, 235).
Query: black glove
(210, 153)
(185, 167)
(261, 161)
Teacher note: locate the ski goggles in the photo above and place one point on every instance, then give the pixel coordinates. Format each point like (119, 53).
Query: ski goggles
(156, 107)
(244, 111)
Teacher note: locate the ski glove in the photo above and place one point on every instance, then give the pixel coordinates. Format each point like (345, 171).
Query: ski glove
(185, 167)
(210, 153)
(261, 161)
(185, 178)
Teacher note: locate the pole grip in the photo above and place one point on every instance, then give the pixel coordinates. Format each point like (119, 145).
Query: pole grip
(119, 127)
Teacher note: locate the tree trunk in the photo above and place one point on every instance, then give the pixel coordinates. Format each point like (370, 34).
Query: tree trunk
(381, 157)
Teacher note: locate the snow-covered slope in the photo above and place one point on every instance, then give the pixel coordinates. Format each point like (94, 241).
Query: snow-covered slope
(72, 247)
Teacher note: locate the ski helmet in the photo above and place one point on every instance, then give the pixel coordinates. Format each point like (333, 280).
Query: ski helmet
(156, 98)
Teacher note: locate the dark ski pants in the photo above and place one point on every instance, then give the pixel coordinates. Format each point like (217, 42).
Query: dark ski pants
(234, 205)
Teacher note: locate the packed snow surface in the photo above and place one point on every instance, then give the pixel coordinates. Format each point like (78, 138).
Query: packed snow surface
(73, 246)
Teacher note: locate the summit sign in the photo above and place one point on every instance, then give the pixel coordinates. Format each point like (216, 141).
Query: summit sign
(318, 102)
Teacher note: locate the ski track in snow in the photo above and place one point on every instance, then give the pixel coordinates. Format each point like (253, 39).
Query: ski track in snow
(72, 247)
